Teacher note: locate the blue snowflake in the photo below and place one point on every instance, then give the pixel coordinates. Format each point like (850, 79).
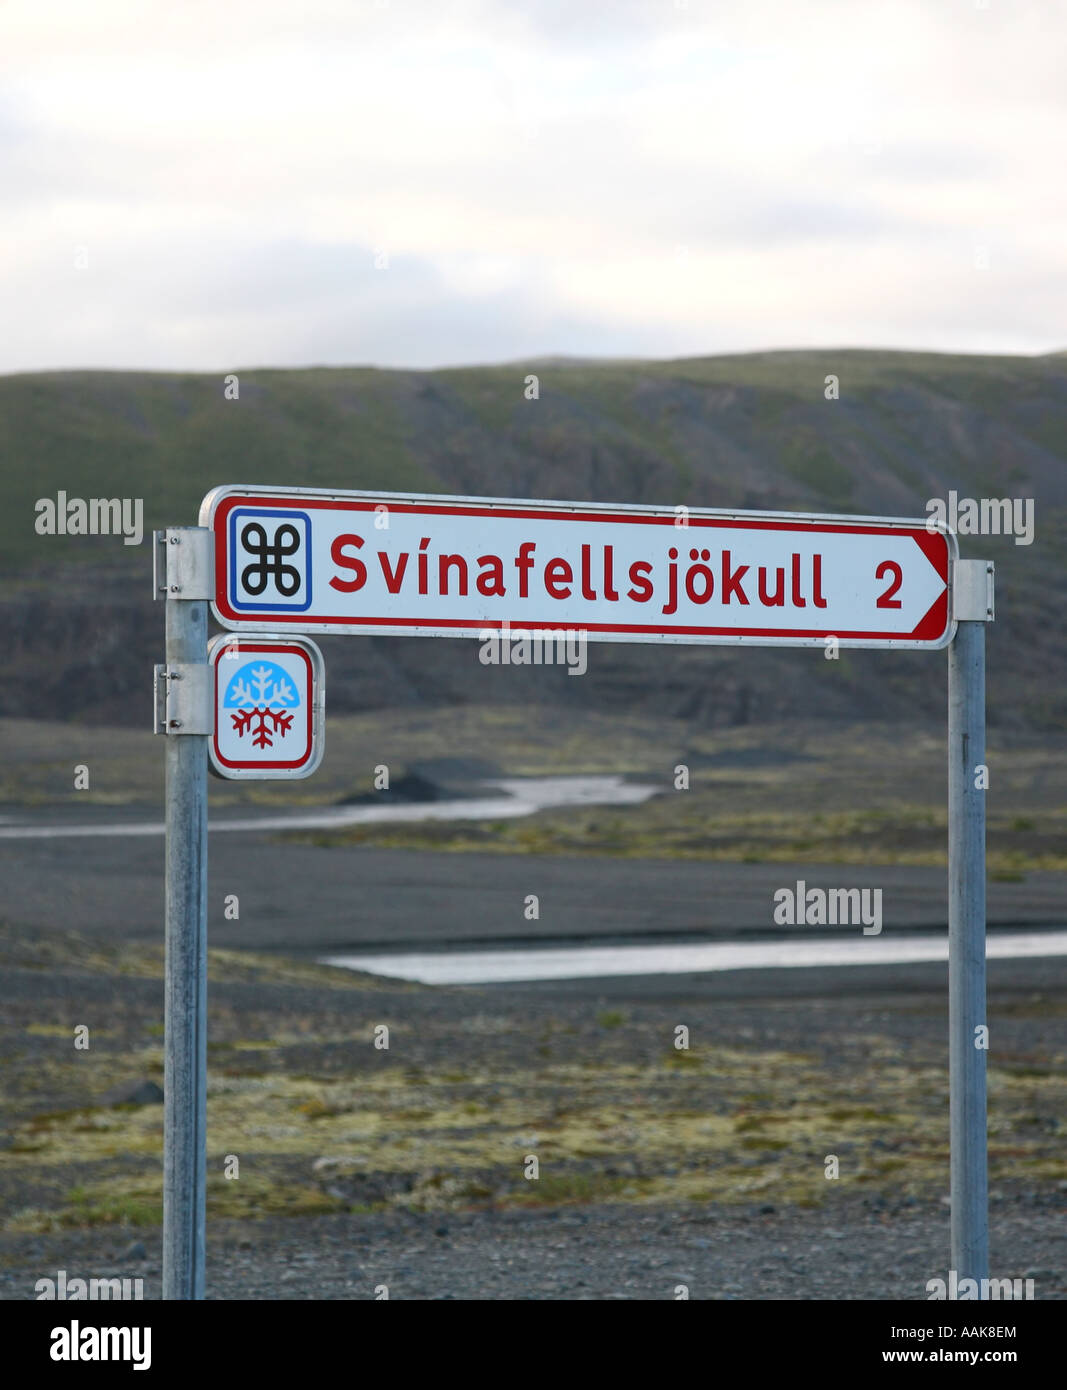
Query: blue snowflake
(261, 684)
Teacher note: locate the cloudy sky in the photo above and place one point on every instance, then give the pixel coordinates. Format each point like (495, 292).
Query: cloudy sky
(213, 186)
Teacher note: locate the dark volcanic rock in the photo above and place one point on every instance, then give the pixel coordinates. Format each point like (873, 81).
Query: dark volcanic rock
(134, 1093)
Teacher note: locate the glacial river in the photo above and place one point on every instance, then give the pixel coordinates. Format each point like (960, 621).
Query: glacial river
(514, 796)
(584, 962)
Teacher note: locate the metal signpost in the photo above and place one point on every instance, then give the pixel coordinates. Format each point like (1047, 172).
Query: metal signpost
(183, 712)
(973, 608)
(305, 560)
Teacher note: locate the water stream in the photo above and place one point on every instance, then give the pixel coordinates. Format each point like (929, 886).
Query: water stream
(584, 962)
(521, 797)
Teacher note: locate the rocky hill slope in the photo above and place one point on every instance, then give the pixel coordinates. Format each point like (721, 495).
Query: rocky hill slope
(81, 633)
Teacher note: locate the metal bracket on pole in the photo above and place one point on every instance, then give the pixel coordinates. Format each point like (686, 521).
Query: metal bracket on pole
(183, 699)
(972, 591)
(183, 563)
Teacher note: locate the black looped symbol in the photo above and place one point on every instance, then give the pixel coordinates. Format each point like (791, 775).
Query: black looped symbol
(269, 559)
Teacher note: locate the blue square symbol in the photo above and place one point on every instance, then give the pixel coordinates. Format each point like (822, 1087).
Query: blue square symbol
(270, 560)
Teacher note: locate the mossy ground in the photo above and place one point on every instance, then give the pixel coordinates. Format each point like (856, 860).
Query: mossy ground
(798, 793)
(693, 825)
(469, 1091)
(853, 796)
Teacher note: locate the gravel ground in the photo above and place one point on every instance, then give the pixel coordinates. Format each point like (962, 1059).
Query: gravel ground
(858, 1251)
(301, 898)
(363, 1168)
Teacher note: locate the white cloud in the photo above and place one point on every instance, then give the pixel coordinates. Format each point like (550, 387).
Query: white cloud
(613, 178)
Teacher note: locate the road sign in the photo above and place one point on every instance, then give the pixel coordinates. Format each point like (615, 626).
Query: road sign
(270, 717)
(307, 560)
(339, 562)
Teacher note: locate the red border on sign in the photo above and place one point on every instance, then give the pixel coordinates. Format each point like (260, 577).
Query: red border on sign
(253, 644)
(934, 545)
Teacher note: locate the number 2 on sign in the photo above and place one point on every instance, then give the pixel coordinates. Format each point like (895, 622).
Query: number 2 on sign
(887, 600)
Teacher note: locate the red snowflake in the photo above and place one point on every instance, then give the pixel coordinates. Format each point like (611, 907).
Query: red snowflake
(256, 721)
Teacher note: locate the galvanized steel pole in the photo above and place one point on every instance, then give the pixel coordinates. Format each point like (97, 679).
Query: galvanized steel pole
(185, 721)
(967, 951)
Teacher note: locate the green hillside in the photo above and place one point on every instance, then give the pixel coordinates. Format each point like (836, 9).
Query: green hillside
(753, 431)
(715, 431)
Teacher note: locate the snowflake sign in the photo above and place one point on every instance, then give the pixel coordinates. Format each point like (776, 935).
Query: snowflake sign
(261, 693)
(268, 707)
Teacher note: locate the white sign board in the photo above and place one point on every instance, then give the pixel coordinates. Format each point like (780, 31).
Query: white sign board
(306, 560)
(270, 716)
